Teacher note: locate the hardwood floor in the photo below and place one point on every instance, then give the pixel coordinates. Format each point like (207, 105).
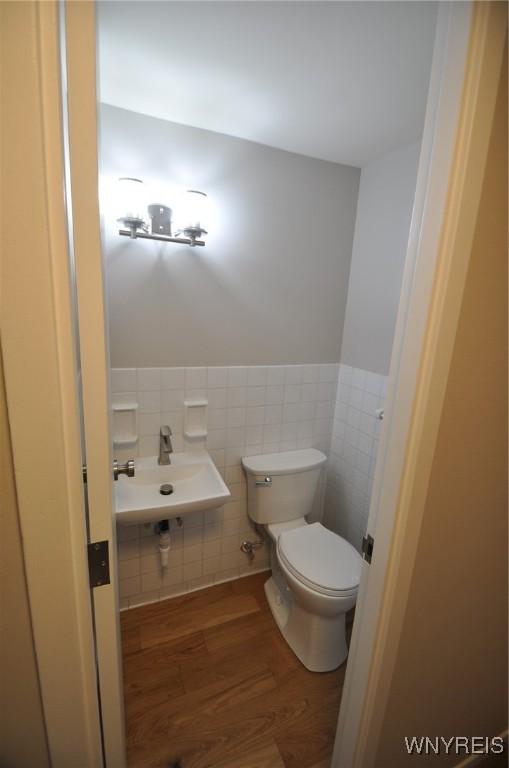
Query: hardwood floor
(210, 683)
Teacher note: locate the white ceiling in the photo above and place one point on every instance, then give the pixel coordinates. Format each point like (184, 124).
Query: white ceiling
(341, 81)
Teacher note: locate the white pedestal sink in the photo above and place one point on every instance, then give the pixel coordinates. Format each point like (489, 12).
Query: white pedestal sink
(196, 485)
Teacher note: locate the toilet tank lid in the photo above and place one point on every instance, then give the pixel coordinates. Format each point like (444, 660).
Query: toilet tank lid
(285, 463)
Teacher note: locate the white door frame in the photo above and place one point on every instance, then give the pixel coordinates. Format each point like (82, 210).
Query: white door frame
(50, 146)
(465, 74)
(40, 374)
(40, 365)
(79, 28)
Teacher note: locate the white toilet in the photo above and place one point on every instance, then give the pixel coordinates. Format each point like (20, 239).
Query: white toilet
(315, 573)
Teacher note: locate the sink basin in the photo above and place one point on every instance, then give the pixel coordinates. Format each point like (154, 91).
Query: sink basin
(196, 485)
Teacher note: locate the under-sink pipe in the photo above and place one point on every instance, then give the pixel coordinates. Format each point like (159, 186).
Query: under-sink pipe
(163, 531)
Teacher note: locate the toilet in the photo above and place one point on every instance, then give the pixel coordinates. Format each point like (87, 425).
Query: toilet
(315, 572)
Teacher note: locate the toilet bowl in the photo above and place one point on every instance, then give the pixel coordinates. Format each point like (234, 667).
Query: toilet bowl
(315, 572)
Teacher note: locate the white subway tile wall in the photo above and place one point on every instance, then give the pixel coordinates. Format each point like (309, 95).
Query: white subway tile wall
(251, 410)
(354, 445)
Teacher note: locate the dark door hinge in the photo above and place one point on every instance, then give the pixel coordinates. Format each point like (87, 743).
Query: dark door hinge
(368, 543)
(98, 563)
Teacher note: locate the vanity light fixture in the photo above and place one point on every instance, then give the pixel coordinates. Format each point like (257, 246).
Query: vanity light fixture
(136, 216)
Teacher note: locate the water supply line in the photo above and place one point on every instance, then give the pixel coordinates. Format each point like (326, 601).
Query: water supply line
(163, 531)
(248, 547)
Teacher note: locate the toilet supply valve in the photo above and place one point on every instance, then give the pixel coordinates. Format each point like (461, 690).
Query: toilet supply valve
(248, 548)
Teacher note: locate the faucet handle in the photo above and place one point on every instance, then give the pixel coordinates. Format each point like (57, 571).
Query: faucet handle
(165, 431)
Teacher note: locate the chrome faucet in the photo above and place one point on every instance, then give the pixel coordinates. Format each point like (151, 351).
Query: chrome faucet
(165, 446)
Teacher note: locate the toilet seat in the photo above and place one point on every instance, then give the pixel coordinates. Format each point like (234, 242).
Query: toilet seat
(320, 559)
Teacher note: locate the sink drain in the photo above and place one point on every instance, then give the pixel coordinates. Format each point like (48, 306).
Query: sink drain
(166, 489)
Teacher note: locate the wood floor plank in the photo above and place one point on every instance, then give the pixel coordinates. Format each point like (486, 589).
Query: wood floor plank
(268, 648)
(253, 585)
(190, 752)
(181, 648)
(280, 658)
(174, 605)
(234, 695)
(169, 733)
(177, 716)
(148, 667)
(193, 618)
(130, 637)
(249, 635)
(141, 702)
(303, 744)
(149, 678)
(240, 630)
(210, 737)
(203, 671)
(137, 617)
(309, 738)
(267, 755)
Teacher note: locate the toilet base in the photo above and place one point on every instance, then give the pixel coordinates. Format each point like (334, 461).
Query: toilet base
(319, 642)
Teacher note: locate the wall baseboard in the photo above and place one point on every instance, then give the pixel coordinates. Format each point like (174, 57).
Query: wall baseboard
(195, 589)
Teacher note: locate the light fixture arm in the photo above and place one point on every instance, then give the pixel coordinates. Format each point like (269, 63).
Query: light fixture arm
(135, 234)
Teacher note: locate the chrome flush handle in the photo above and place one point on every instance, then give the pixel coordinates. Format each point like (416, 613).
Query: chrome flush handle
(265, 483)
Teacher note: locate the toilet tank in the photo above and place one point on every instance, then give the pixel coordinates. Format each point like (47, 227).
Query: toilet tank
(282, 486)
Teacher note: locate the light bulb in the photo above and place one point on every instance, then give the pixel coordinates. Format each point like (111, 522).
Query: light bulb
(194, 214)
(132, 208)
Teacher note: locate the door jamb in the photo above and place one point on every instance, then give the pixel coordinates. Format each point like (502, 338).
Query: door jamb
(448, 189)
(81, 72)
(40, 377)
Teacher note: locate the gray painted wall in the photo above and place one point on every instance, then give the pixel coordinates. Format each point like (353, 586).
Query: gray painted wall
(271, 285)
(384, 211)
